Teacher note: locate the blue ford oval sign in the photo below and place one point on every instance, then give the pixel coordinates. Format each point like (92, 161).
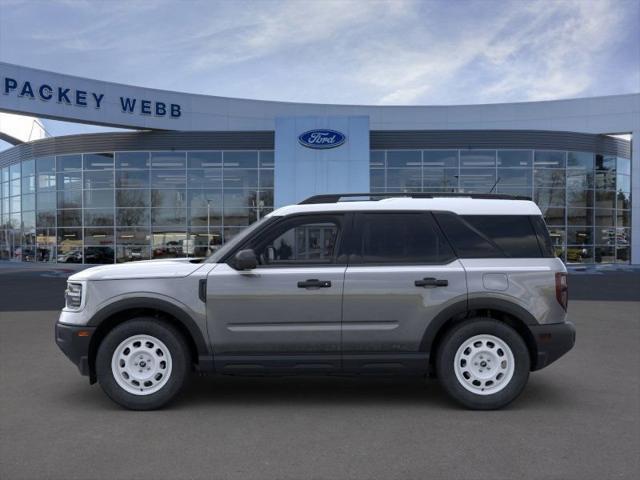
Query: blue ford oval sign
(322, 138)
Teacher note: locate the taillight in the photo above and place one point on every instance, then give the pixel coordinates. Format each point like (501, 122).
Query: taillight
(562, 290)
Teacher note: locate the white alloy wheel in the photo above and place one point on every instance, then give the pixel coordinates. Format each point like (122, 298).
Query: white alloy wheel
(141, 365)
(484, 364)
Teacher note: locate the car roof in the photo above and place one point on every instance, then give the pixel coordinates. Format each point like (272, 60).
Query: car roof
(459, 205)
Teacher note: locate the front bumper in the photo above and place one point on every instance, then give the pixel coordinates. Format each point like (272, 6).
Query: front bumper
(552, 341)
(74, 342)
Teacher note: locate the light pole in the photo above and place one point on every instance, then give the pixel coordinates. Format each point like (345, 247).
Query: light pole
(209, 225)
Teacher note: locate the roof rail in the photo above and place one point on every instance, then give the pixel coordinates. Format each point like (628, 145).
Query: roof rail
(336, 197)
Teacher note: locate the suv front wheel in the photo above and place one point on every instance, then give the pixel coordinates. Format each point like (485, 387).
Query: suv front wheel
(483, 363)
(142, 363)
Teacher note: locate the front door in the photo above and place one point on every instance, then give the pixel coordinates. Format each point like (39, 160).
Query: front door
(401, 274)
(286, 313)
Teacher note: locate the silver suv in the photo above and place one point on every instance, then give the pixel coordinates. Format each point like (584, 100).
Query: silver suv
(463, 287)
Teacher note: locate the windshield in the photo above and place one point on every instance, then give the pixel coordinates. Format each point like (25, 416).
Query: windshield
(239, 238)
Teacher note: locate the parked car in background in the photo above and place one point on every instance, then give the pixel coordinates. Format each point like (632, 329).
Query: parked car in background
(72, 256)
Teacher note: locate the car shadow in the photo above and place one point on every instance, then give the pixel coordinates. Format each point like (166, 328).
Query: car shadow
(337, 391)
(309, 391)
(312, 392)
(318, 391)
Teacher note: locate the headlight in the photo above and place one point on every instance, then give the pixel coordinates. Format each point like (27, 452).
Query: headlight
(73, 295)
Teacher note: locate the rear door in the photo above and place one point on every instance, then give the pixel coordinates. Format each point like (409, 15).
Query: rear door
(401, 274)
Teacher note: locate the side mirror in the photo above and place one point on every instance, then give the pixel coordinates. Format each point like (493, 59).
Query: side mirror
(245, 260)
(271, 254)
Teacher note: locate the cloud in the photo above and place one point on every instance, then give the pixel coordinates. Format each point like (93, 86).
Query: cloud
(542, 51)
(269, 30)
(553, 55)
(404, 95)
(338, 51)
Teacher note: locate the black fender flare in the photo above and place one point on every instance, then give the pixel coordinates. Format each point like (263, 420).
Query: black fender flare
(461, 308)
(458, 308)
(506, 306)
(152, 303)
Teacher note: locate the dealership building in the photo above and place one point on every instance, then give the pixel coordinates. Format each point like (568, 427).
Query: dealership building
(194, 170)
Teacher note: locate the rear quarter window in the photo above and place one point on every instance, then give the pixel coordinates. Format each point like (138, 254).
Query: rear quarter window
(544, 239)
(491, 236)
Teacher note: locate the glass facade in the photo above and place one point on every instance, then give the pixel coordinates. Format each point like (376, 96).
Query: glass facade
(585, 197)
(111, 207)
(108, 207)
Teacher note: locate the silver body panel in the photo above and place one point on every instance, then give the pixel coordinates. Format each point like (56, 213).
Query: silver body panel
(144, 270)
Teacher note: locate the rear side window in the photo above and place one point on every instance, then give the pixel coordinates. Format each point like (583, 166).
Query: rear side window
(491, 236)
(400, 238)
(544, 239)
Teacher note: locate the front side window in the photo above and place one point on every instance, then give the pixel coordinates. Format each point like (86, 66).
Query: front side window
(303, 241)
(400, 238)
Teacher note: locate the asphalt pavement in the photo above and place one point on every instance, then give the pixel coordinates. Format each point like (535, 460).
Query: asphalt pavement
(577, 419)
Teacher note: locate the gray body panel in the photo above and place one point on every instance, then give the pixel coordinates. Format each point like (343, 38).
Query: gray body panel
(263, 311)
(527, 282)
(370, 317)
(106, 287)
(383, 310)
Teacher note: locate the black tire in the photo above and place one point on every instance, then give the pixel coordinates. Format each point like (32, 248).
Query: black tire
(446, 358)
(180, 361)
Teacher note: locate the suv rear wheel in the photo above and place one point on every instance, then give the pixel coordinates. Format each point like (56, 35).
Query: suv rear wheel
(483, 363)
(142, 363)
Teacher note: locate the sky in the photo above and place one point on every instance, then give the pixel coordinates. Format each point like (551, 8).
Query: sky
(394, 52)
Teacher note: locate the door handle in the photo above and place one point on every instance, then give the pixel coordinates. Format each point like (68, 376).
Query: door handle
(202, 290)
(431, 282)
(314, 283)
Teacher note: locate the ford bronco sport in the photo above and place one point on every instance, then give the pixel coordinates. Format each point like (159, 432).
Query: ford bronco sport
(463, 287)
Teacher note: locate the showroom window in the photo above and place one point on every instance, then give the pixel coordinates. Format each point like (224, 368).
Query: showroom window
(585, 198)
(77, 208)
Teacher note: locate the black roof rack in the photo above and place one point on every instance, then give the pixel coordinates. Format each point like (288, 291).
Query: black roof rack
(336, 197)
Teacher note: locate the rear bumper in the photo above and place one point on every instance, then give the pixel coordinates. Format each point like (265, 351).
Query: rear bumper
(552, 342)
(74, 342)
